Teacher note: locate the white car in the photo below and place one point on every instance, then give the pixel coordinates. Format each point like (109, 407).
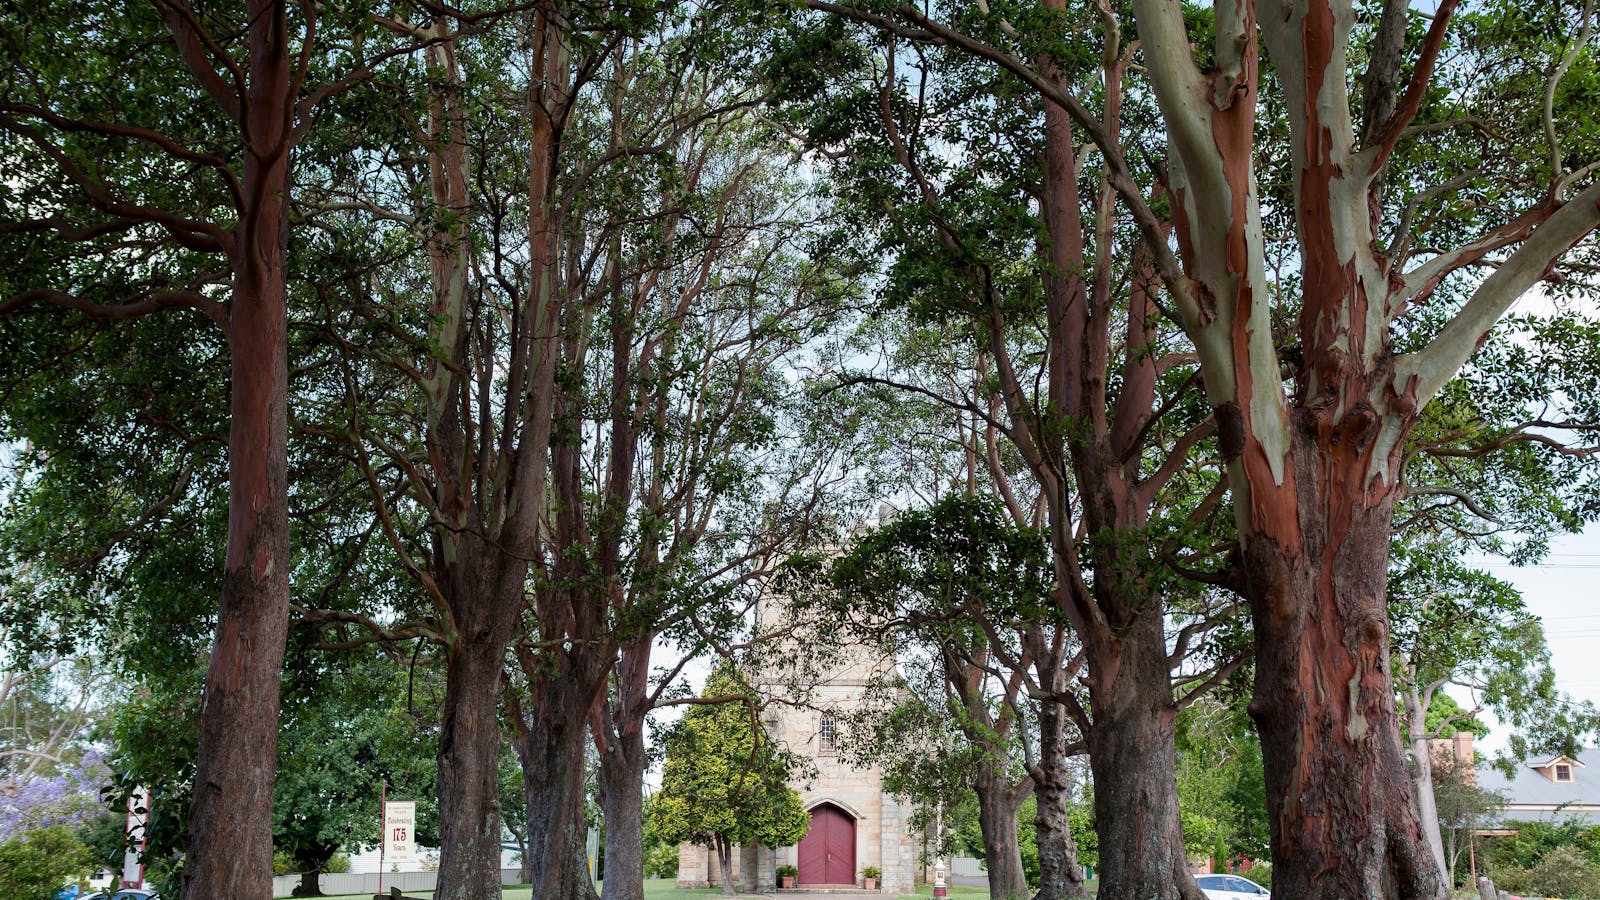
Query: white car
(1230, 887)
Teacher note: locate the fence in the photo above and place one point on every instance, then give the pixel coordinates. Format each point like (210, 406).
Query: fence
(966, 866)
(284, 885)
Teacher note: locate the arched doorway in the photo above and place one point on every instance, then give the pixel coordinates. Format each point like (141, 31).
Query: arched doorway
(828, 851)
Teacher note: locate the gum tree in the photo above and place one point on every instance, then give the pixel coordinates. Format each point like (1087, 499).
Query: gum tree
(1313, 397)
(153, 149)
(1005, 234)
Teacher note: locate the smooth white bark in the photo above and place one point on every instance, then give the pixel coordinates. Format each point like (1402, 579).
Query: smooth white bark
(1435, 364)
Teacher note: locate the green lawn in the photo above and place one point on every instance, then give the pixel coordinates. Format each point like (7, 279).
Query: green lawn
(666, 889)
(654, 889)
(954, 890)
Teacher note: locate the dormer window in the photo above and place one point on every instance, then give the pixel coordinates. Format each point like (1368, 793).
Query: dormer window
(827, 734)
(1563, 772)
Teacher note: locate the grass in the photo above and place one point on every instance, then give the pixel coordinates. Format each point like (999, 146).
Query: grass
(667, 889)
(654, 889)
(954, 890)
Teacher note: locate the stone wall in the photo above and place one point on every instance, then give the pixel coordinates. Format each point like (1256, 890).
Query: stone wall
(884, 837)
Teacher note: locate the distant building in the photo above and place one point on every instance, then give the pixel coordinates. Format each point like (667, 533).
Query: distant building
(1557, 788)
(855, 824)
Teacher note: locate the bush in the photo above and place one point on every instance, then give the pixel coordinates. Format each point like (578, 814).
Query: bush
(661, 861)
(37, 864)
(1564, 872)
(1260, 873)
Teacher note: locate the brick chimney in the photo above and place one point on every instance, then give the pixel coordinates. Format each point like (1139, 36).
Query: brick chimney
(1461, 746)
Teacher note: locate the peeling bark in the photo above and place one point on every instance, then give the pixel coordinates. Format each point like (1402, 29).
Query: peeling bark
(1338, 788)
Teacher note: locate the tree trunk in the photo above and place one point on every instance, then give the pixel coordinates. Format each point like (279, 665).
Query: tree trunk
(310, 884)
(1427, 807)
(230, 827)
(1338, 790)
(725, 866)
(622, 799)
(551, 750)
(997, 818)
(1060, 876)
(1134, 760)
(469, 766)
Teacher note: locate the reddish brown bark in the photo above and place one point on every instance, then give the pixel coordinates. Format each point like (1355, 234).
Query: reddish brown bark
(1129, 726)
(1338, 787)
(1077, 437)
(230, 832)
(1315, 535)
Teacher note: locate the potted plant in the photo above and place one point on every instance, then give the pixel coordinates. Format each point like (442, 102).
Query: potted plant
(787, 875)
(869, 877)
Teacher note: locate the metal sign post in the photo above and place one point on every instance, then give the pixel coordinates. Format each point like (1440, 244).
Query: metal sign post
(383, 827)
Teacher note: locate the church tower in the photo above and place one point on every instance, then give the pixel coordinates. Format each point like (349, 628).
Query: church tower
(855, 824)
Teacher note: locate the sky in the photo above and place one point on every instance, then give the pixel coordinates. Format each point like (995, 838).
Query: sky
(1564, 591)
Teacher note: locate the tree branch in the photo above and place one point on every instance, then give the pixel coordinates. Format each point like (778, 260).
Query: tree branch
(1378, 153)
(1425, 371)
(138, 305)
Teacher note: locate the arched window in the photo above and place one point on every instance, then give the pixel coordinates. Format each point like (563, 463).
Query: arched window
(827, 732)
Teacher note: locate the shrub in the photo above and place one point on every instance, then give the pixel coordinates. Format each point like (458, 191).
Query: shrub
(870, 872)
(36, 864)
(337, 864)
(1564, 872)
(1260, 873)
(661, 861)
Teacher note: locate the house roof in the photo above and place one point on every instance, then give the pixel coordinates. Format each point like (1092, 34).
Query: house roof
(1529, 788)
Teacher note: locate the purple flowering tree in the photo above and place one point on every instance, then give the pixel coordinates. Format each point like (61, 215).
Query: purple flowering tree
(70, 796)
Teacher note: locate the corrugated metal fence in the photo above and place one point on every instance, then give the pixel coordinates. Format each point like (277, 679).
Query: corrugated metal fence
(284, 885)
(966, 866)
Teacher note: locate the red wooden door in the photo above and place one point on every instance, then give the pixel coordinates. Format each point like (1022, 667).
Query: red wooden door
(828, 851)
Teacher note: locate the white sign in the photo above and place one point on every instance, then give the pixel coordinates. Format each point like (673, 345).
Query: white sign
(399, 831)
